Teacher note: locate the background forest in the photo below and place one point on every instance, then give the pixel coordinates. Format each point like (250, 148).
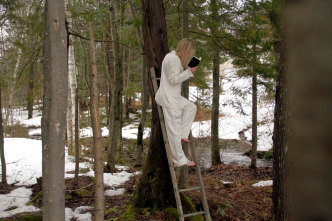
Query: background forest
(89, 78)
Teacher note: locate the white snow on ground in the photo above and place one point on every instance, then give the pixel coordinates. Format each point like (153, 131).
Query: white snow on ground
(16, 198)
(116, 192)
(23, 160)
(236, 108)
(24, 165)
(33, 122)
(128, 132)
(21, 116)
(263, 183)
(35, 132)
(79, 213)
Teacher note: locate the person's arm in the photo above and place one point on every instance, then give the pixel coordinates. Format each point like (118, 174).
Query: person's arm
(174, 76)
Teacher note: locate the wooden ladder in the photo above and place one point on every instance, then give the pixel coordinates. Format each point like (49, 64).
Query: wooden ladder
(177, 191)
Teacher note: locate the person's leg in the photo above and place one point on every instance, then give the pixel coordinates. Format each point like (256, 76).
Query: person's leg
(187, 118)
(173, 128)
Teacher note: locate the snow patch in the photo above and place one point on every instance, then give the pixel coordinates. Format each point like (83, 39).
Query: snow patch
(115, 192)
(79, 213)
(263, 183)
(16, 198)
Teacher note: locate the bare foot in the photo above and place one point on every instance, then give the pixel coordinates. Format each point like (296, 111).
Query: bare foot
(185, 140)
(191, 164)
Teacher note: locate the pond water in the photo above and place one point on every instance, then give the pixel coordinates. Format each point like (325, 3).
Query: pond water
(228, 156)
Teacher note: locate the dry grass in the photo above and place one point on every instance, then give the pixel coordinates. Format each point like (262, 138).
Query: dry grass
(204, 114)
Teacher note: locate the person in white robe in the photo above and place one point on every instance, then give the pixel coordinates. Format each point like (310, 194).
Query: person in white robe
(179, 112)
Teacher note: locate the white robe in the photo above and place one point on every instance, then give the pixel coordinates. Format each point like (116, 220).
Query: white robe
(179, 113)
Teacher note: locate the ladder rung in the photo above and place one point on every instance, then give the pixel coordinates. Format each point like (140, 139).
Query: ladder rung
(194, 214)
(190, 189)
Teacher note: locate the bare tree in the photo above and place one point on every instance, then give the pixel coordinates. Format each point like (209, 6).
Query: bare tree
(54, 110)
(97, 144)
(117, 93)
(2, 148)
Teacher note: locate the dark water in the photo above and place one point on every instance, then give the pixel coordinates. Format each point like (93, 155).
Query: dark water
(228, 156)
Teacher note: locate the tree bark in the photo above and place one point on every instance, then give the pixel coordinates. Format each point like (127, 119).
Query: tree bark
(155, 187)
(185, 90)
(139, 160)
(77, 139)
(2, 147)
(30, 89)
(12, 87)
(281, 113)
(72, 84)
(117, 93)
(110, 68)
(253, 163)
(97, 144)
(54, 110)
(215, 152)
(308, 37)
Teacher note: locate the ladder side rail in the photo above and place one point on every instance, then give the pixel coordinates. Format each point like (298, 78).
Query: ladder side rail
(200, 181)
(167, 147)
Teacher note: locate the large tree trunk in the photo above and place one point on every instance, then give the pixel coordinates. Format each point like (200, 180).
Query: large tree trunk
(280, 132)
(185, 90)
(155, 187)
(308, 37)
(97, 144)
(54, 110)
(117, 93)
(2, 147)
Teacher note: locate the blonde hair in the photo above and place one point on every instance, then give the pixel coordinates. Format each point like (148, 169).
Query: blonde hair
(185, 50)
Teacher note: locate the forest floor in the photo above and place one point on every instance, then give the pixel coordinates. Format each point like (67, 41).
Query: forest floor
(229, 189)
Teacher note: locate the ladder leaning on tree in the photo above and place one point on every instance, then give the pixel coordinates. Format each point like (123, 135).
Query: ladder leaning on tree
(177, 191)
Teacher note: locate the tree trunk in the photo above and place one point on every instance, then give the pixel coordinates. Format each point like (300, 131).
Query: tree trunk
(2, 147)
(54, 110)
(77, 137)
(110, 68)
(12, 88)
(215, 152)
(30, 89)
(139, 160)
(280, 132)
(155, 187)
(97, 144)
(117, 93)
(308, 37)
(185, 90)
(253, 163)
(72, 71)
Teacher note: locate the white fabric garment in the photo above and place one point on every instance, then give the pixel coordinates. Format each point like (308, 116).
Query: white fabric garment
(179, 113)
(172, 75)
